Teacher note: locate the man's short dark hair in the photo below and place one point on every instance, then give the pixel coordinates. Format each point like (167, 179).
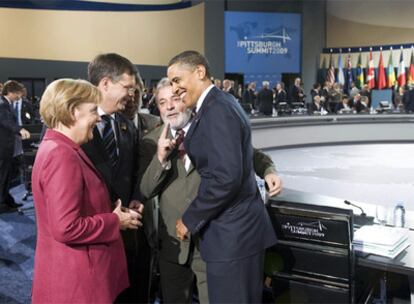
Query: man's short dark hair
(109, 65)
(12, 86)
(193, 59)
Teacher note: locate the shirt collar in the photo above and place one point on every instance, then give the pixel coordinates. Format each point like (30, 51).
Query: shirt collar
(102, 112)
(185, 129)
(8, 100)
(202, 97)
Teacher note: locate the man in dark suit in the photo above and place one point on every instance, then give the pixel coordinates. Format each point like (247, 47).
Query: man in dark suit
(11, 135)
(176, 185)
(265, 99)
(113, 151)
(228, 213)
(296, 92)
(26, 114)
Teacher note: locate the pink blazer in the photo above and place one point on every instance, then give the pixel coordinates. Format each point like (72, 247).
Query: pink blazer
(79, 253)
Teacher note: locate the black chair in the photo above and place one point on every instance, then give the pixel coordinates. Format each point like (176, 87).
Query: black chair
(313, 261)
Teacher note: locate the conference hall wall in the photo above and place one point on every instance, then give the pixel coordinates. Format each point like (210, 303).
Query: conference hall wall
(367, 23)
(58, 43)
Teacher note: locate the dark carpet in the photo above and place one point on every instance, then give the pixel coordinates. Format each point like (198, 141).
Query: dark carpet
(17, 244)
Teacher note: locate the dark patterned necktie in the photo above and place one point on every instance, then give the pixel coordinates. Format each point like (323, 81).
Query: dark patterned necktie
(179, 140)
(108, 137)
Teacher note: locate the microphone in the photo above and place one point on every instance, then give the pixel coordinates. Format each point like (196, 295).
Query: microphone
(351, 204)
(361, 219)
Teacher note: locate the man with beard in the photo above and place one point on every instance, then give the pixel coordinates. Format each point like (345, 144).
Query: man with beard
(171, 175)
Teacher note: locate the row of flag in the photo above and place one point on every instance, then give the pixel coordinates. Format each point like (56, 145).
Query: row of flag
(384, 79)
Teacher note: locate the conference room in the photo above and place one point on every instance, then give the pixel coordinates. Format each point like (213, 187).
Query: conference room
(327, 87)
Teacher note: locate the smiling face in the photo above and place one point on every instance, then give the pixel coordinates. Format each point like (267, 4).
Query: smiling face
(187, 82)
(85, 118)
(172, 109)
(115, 92)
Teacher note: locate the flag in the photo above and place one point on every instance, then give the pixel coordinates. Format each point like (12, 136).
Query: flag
(382, 80)
(349, 73)
(391, 72)
(371, 72)
(360, 73)
(340, 76)
(401, 71)
(330, 76)
(410, 75)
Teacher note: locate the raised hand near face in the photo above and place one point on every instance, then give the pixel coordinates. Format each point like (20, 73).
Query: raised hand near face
(165, 145)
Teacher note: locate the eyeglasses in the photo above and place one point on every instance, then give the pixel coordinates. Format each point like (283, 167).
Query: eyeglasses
(131, 90)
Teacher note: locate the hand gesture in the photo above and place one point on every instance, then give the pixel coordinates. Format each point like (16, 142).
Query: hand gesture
(165, 145)
(128, 218)
(274, 184)
(181, 230)
(137, 206)
(24, 133)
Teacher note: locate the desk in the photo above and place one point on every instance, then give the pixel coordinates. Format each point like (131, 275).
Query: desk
(403, 264)
(290, 195)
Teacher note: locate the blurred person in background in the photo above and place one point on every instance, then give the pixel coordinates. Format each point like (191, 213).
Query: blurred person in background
(265, 99)
(11, 147)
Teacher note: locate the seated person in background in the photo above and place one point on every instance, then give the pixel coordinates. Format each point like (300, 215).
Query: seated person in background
(170, 175)
(316, 90)
(361, 104)
(80, 255)
(327, 86)
(316, 106)
(353, 90)
(344, 106)
(335, 97)
(398, 99)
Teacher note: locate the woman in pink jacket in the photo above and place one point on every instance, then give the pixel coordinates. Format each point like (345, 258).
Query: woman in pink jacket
(79, 252)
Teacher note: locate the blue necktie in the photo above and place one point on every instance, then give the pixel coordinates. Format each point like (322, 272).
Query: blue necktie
(108, 137)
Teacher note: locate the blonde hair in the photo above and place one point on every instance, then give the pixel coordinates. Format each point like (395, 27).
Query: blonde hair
(62, 96)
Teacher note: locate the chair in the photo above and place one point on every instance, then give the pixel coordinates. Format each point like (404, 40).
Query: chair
(313, 261)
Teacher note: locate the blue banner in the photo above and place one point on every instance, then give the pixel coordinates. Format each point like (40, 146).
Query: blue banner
(259, 43)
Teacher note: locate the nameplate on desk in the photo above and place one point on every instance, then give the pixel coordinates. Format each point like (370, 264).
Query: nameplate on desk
(313, 229)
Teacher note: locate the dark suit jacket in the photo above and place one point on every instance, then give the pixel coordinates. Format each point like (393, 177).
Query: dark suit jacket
(176, 188)
(280, 97)
(9, 129)
(294, 94)
(228, 212)
(27, 113)
(121, 181)
(265, 100)
(314, 108)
